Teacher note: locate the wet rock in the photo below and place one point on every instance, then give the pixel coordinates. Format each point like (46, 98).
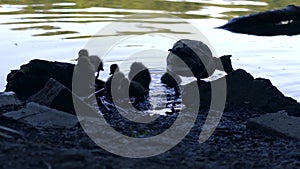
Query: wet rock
(42, 116)
(9, 101)
(72, 159)
(57, 96)
(32, 77)
(279, 124)
(243, 89)
(54, 95)
(284, 21)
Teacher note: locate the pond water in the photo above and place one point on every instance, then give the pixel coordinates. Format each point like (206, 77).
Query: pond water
(57, 30)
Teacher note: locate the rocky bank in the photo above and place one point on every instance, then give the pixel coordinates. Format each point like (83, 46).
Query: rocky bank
(39, 127)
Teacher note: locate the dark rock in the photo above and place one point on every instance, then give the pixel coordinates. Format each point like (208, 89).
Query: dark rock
(284, 21)
(54, 95)
(41, 116)
(188, 95)
(278, 124)
(243, 89)
(9, 102)
(71, 159)
(57, 96)
(33, 76)
(238, 84)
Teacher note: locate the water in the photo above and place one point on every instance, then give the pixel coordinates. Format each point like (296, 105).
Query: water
(56, 30)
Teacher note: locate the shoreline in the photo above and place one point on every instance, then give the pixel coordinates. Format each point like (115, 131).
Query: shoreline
(234, 144)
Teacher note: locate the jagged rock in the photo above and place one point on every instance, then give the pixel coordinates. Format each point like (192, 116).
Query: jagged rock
(243, 89)
(57, 96)
(259, 92)
(42, 116)
(9, 101)
(33, 76)
(284, 21)
(279, 123)
(54, 95)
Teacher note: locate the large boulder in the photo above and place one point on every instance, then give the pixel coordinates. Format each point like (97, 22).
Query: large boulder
(54, 95)
(242, 89)
(278, 124)
(33, 76)
(42, 116)
(57, 96)
(284, 21)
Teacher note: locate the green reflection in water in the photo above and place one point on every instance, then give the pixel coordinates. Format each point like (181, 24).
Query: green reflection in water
(160, 5)
(55, 33)
(47, 12)
(36, 27)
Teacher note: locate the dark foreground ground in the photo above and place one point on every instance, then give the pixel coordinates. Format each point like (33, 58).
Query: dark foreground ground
(232, 145)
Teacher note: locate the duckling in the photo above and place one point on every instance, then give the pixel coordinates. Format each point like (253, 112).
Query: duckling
(82, 53)
(84, 73)
(140, 73)
(198, 58)
(94, 60)
(113, 83)
(98, 64)
(113, 68)
(117, 82)
(134, 89)
(171, 81)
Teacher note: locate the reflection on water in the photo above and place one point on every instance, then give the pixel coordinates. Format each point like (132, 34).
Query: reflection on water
(56, 30)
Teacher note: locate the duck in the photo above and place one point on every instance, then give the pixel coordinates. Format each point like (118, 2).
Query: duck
(113, 68)
(136, 90)
(194, 58)
(82, 53)
(84, 73)
(93, 59)
(172, 82)
(98, 64)
(125, 88)
(113, 83)
(140, 73)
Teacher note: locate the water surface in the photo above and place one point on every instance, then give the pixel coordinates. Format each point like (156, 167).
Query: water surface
(56, 30)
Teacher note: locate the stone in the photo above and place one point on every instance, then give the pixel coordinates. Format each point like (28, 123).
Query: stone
(283, 21)
(42, 116)
(243, 89)
(279, 124)
(9, 101)
(54, 95)
(57, 96)
(32, 77)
